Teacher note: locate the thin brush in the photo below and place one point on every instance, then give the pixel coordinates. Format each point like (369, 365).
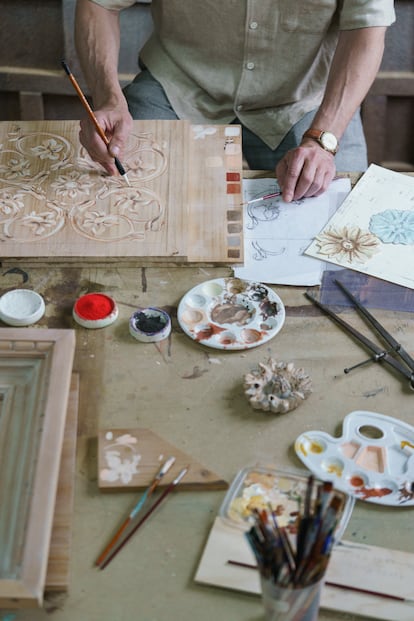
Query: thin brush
(137, 508)
(165, 493)
(93, 118)
(334, 584)
(262, 198)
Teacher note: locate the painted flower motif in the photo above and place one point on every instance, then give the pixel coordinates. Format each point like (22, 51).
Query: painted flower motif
(393, 226)
(72, 184)
(347, 243)
(48, 150)
(118, 468)
(98, 222)
(16, 168)
(40, 223)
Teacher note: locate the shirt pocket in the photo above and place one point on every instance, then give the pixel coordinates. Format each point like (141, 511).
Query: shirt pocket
(307, 15)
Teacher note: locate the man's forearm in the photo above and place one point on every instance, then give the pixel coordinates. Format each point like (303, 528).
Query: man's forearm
(97, 37)
(356, 62)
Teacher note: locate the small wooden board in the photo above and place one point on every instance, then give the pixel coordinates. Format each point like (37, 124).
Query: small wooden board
(183, 204)
(130, 458)
(58, 569)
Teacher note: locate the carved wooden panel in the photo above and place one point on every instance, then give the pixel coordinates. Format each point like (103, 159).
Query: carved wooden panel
(183, 204)
(35, 374)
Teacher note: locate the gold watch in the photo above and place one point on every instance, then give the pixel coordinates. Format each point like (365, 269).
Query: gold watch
(327, 140)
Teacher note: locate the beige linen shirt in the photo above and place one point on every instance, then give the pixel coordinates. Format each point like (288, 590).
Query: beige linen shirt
(265, 62)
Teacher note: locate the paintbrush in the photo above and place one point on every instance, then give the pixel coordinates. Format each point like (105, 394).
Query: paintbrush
(262, 198)
(137, 508)
(93, 118)
(164, 495)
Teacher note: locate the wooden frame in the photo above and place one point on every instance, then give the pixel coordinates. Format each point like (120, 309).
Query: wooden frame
(35, 376)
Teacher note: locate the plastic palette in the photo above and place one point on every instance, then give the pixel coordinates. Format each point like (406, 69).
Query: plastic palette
(259, 487)
(230, 313)
(373, 460)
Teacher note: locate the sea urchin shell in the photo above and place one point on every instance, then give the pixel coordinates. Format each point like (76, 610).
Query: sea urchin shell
(277, 386)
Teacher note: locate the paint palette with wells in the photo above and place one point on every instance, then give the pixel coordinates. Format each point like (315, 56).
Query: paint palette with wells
(282, 490)
(373, 460)
(230, 313)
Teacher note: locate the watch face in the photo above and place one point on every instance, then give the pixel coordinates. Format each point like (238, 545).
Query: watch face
(329, 141)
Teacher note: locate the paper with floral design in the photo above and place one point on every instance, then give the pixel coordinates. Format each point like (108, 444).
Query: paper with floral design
(373, 230)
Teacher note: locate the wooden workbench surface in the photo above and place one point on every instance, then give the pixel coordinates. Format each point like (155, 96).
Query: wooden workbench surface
(193, 397)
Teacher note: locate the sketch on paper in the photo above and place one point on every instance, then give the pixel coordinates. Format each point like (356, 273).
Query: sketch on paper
(276, 233)
(373, 230)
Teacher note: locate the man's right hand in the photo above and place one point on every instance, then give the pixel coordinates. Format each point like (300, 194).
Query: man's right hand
(117, 125)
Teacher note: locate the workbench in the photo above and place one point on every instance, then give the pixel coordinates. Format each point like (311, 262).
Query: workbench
(193, 397)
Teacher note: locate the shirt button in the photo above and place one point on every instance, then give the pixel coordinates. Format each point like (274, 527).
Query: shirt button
(250, 66)
(253, 25)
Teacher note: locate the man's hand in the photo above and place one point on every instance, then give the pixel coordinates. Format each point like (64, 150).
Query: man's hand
(117, 124)
(305, 171)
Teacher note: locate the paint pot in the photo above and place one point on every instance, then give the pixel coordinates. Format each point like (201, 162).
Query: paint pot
(150, 325)
(21, 307)
(95, 310)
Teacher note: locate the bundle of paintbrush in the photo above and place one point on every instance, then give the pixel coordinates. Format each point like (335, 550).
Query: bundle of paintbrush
(300, 565)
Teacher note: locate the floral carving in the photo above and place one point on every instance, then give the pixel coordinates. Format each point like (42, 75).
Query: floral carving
(348, 243)
(50, 149)
(71, 184)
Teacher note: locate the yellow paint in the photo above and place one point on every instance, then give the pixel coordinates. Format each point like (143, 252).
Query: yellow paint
(405, 443)
(335, 469)
(316, 447)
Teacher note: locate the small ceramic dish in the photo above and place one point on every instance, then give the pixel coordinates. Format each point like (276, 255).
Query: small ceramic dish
(150, 325)
(95, 310)
(21, 307)
(260, 487)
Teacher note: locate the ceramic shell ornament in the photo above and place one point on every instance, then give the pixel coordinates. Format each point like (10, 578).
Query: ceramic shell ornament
(277, 386)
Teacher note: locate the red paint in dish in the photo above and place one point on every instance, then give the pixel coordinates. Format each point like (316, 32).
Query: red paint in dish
(94, 306)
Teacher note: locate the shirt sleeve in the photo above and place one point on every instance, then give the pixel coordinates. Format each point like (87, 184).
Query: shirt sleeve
(366, 13)
(114, 5)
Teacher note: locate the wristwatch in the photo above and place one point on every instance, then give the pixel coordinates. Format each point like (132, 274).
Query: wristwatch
(327, 140)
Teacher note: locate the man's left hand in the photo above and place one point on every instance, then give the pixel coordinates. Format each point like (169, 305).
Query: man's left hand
(305, 171)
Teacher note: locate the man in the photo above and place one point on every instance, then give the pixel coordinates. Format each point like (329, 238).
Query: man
(292, 72)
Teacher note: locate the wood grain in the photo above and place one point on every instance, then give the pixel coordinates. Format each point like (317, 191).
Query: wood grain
(60, 207)
(58, 569)
(145, 452)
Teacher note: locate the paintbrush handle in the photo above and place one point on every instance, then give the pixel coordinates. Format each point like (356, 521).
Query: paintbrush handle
(85, 103)
(165, 493)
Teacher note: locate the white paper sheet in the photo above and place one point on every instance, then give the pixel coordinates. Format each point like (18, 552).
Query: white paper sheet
(373, 230)
(381, 570)
(277, 233)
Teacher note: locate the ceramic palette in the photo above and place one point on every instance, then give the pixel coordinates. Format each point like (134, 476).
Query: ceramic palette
(230, 313)
(284, 490)
(373, 460)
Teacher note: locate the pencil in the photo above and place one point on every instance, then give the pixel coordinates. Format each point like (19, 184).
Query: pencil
(136, 509)
(93, 118)
(146, 515)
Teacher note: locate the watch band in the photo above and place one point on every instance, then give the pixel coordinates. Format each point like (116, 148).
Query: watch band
(327, 140)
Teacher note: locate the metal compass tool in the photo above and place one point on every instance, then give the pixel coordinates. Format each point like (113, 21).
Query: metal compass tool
(395, 355)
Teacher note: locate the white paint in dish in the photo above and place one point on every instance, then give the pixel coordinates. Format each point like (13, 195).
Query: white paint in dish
(21, 307)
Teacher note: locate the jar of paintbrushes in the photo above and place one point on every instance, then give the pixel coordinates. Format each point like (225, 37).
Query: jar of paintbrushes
(292, 566)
